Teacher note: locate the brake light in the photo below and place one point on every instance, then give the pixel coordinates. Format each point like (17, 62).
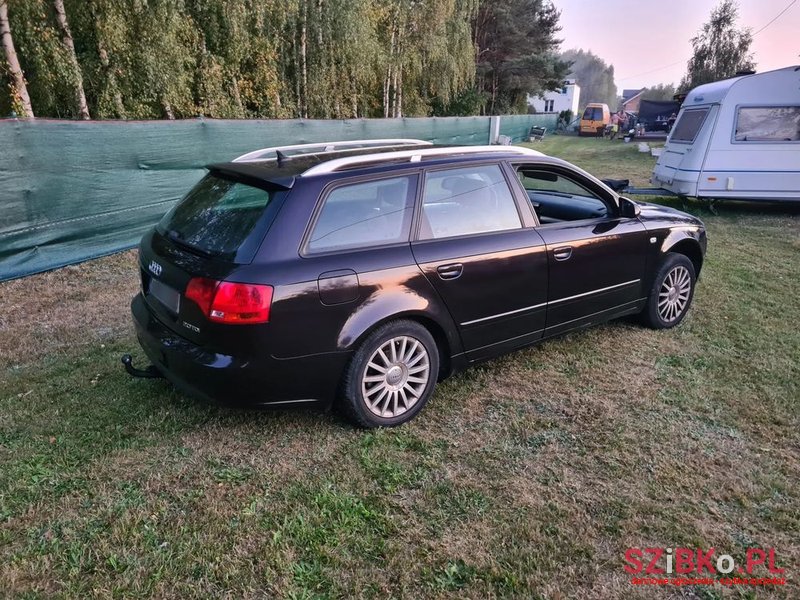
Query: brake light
(229, 302)
(201, 291)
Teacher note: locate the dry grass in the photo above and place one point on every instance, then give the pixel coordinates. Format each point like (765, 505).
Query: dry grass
(527, 477)
(52, 313)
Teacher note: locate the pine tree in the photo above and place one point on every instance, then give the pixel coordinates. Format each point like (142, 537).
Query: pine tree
(516, 46)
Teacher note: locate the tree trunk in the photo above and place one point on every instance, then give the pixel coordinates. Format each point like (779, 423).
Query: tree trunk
(394, 94)
(237, 97)
(388, 81)
(19, 90)
(304, 58)
(400, 94)
(111, 78)
(166, 107)
(69, 45)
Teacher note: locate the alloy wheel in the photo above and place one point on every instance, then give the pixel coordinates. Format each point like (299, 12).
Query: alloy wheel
(673, 297)
(396, 376)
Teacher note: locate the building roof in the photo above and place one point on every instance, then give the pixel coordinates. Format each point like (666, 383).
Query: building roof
(628, 99)
(630, 94)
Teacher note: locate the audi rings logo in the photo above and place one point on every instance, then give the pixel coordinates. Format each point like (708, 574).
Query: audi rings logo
(155, 268)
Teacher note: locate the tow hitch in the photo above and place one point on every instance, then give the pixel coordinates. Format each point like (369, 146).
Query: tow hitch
(149, 373)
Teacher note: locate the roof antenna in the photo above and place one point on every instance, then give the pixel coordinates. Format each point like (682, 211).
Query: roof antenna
(281, 157)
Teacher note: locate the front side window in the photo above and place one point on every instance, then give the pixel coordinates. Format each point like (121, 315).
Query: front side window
(467, 201)
(556, 198)
(768, 124)
(688, 125)
(362, 215)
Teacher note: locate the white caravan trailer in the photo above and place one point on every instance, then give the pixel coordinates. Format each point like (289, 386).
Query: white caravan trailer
(736, 139)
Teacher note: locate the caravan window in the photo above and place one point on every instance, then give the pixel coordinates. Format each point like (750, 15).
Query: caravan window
(688, 125)
(768, 124)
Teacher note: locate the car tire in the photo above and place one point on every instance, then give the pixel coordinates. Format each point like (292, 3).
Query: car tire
(671, 294)
(391, 376)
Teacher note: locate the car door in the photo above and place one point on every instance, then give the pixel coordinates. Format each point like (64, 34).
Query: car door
(475, 245)
(596, 257)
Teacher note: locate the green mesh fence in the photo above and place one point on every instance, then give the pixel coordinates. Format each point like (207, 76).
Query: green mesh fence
(71, 191)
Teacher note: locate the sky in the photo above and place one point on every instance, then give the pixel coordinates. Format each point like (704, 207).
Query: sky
(648, 37)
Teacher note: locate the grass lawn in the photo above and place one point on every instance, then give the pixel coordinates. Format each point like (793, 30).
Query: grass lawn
(527, 477)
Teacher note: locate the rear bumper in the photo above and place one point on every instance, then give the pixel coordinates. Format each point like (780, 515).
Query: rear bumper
(236, 380)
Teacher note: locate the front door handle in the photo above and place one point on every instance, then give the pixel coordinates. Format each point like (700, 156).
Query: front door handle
(562, 253)
(451, 271)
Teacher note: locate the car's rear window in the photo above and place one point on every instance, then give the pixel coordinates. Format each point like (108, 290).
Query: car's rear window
(221, 218)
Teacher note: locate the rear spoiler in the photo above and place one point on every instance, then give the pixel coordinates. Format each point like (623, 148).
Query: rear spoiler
(252, 174)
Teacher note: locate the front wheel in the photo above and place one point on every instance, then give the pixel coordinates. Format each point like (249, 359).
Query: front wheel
(671, 294)
(391, 376)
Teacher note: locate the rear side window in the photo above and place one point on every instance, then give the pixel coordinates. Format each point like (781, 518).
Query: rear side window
(688, 125)
(467, 201)
(361, 215)
(221, 218)
(768, 124)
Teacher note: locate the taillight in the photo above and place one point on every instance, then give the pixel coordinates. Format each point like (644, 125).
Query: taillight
(228, 302)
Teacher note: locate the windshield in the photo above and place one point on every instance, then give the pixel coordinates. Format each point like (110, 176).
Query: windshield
(221, 218)
(593, 113)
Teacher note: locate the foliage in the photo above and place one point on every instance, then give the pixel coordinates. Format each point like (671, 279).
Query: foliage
(593, 75)
(720, 48)
(143, 59)
(660, 92)
(516, 45)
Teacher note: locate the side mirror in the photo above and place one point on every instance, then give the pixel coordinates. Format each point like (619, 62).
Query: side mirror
(628, 208)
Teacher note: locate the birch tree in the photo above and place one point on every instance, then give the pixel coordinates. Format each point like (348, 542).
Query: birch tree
(19, 90)
(81, 107)
(720, 48)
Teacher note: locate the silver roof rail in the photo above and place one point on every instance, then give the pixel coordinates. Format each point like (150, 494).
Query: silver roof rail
(263, 153)
(415, 155)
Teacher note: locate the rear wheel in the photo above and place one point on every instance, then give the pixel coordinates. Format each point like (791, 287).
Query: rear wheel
(391, 376)
(671, 294)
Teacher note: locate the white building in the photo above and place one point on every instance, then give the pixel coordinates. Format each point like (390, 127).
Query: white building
(567, 98)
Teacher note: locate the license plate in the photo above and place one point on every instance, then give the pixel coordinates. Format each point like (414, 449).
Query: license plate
(168, 296)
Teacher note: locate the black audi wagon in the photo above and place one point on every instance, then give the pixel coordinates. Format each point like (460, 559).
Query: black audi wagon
(358, 274)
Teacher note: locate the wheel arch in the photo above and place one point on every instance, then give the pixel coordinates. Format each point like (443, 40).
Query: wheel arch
(404, 302)
(444, 343)
(689, 243)
(690, 248)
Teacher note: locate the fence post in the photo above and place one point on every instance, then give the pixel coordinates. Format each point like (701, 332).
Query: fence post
(494, 130)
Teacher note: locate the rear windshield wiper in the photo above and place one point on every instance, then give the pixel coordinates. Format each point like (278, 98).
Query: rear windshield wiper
(176, 237)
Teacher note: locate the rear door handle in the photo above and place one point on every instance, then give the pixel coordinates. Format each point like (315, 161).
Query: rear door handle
(562, 253)
(451, 271)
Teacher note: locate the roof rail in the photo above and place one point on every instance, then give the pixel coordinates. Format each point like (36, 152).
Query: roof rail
(316, 147)
(415, 155)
